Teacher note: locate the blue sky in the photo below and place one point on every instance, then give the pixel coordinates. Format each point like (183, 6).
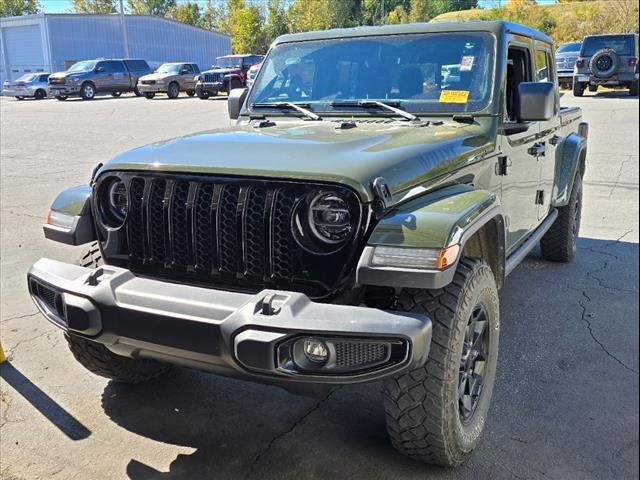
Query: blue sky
(61, 6)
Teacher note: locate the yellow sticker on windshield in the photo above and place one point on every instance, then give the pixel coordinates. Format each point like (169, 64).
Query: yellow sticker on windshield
(454, 96)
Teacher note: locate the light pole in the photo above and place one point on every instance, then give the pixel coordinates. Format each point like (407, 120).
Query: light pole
(123, 27)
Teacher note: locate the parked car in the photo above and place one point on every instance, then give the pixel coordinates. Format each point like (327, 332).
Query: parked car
(566, 56)
(170, 78)
(91, 77)
(607, 60)
(355, 225)
(227, 73)
(252, 73)
(33, 85)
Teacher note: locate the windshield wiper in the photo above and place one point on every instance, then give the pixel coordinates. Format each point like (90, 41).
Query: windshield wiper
(377, 104)
(300, 107)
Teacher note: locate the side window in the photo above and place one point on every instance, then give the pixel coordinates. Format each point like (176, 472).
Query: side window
(544, 69)
(187, 68)
(518, 71)
(44, 78)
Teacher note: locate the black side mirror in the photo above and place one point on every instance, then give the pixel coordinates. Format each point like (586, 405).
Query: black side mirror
(235, 101)
(537, 101)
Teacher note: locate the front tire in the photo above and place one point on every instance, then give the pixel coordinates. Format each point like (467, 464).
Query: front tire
(436, 413)
(97, 358)
(149, 95)
(173, 90)
(578, 89)
(116, 94)
(61, 98)
(191, 93)
(88, 91)
(202, 95)
(593, 88)
(559, 244)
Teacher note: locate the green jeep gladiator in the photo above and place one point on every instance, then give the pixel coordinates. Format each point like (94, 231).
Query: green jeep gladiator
(355, 225)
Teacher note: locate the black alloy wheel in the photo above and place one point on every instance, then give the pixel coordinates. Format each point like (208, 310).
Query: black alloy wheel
(473, 364)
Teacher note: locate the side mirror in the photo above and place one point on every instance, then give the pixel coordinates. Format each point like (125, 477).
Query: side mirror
(235, 101)
(537, 101)
(184, 71)
(99, 69)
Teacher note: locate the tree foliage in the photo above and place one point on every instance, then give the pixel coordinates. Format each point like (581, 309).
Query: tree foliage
(94, 6)
(150, 7)
(188, 12)
(14, 8)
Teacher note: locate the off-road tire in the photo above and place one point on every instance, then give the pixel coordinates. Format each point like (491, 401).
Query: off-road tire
(422, 405)
(40, 94)
(559, 244)
(578, 89)
(85, 91)
(191, 93)
(202, 95)
(633, 88)
(137, 92)
(173, 90)
(149, 95)
(593, 88)
(97, 358)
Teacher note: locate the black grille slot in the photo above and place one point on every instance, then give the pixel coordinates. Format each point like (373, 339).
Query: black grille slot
(359, 354)
(224, 230)
(47, 295)
(212, 77)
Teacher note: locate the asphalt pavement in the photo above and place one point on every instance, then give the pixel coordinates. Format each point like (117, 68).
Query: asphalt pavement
(565, 404)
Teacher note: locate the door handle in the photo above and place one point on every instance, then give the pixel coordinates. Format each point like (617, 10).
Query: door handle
(556, 139)
(537, 150)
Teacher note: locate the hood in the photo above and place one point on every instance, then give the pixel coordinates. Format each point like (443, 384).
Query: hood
(158, 76)
(67, 74)
(404, 155)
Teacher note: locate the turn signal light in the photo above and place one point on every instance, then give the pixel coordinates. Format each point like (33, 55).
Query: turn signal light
(579, 63)
(447, 256)
(633, 61)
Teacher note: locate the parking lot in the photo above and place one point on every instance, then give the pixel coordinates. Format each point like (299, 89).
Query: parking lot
(566, 397)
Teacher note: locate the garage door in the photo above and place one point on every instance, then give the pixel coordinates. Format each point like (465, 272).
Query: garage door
(23, 46)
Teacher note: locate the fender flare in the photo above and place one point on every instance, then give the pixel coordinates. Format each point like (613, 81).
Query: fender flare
(570, 160)
(70, 221)
(441, 219)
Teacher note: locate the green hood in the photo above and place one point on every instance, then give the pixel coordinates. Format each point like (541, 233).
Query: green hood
(404, 155)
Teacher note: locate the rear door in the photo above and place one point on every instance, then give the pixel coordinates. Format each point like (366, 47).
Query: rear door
(121, 80)
(549, 131)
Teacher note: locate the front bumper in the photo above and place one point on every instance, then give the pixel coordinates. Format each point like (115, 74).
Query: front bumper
(65, 90)
(157, 88)
(237, 334)
(210, 87)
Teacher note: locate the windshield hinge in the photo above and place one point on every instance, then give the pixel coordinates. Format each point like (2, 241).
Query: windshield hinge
(383, 199)
(502, 165)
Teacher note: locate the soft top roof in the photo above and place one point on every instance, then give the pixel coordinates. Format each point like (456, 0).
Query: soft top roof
(498, 28)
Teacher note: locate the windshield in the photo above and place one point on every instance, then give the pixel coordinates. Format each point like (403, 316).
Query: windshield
(85, 66)
(227, 62)
(26, 78)
(621, 44)
(168, 68)
(443, 72)
(569, 48)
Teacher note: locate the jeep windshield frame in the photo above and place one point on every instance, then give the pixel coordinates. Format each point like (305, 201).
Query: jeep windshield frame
(402, 68)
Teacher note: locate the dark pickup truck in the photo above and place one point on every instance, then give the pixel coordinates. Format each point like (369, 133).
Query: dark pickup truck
(90, 77)
(355, 225)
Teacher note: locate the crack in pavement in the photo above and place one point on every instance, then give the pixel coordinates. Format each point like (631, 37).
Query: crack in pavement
(18, 317)
(283, 434)
(11, 351)
(617, 180)
(593, 336)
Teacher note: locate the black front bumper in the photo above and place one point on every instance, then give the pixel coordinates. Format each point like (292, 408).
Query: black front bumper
(237, 334)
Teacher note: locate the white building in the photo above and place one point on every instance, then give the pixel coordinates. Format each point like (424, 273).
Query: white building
(52, 42)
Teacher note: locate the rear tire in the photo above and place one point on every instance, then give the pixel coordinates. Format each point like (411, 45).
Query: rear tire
(40, 94)
(173, 90)
(633, 89)
(19, 98)
(593, 88)
(191, 93)
(432, 413)
(559, 244)
(116, 94)
(149, 95)
(202, 95)
(137, 92)
(578, 89)
(97, 358)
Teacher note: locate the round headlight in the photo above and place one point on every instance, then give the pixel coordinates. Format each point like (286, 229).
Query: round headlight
(329, 218)
(115, 203)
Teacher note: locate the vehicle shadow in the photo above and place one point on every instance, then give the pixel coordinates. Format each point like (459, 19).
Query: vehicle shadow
(242, 430)
(611, 94)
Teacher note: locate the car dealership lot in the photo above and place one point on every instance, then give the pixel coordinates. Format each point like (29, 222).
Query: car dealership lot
(567, 390)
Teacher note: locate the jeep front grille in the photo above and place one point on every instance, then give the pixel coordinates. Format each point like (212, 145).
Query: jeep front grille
(212, 77)
(226, 230)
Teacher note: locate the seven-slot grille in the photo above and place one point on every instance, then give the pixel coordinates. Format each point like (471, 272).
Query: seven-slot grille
(224, 229)
(212, 77)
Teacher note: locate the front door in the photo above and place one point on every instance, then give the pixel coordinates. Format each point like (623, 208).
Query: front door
(519, 168)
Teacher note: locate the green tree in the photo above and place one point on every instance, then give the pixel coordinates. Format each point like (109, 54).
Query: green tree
(94, 6)
(276, 21)
(247, 35)
(425, 10)
(372, 11)
(15, 8)
(151, 7)
(188, 12)
(398, 15)
(210, 17)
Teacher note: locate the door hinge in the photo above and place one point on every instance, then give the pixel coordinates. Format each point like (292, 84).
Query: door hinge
(502, 165)
(540, 197)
